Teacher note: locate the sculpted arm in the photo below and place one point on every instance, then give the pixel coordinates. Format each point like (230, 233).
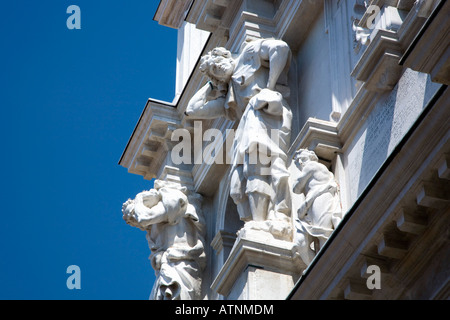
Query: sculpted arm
(302, 180)
(145, 215)
(300, 187)
(200, 108)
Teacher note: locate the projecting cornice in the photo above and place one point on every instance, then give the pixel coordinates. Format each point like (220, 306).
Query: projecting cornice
(149, 144)
(429, 52)
(171, 13)
(241, 19)
(320, 136)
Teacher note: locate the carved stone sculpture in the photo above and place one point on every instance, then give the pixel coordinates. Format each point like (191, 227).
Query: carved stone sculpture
(320, 209)
(362, 35)
(251, 87)
(175, 232)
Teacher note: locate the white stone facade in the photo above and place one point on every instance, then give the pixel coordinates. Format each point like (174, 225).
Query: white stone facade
(361, 176)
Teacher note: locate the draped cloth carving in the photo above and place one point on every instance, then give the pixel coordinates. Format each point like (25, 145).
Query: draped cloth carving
(251, 87)
(175, 227)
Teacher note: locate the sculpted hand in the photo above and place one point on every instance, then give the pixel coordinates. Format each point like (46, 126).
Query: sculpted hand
(128, 213)
(302, 210)
(269, 101)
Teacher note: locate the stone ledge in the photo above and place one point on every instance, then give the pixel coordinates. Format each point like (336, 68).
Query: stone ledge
(150, 141)
(260, 250)
(378, 66)
(319, 136)
(171, 13)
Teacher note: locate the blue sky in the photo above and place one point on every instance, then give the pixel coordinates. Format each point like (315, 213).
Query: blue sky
(70, 100)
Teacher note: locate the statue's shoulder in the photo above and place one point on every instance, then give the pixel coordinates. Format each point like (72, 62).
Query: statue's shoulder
(251, 45)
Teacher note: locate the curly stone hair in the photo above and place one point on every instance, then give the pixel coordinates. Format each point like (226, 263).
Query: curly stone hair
(211, 58)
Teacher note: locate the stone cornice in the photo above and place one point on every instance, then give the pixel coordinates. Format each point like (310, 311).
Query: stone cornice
(429, 52)
(147, 147)
(320, 136)
(171, 13)
(146, 152)
(241, 19)
(378, 67)
(257, 249)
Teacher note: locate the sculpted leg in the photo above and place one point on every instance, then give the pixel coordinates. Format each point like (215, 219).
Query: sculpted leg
(259, 205)
(280, 177)
(302, 242)
(244, 210)
(237, 193)
(278, 54)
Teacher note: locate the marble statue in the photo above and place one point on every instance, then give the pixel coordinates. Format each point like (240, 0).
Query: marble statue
(320, 209)
(175, 232)
(251, 88)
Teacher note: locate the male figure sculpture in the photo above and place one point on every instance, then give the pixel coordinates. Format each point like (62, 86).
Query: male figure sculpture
(175, 233)
(249, 87)
(320, 211)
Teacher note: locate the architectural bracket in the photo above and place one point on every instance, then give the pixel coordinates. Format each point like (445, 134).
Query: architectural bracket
(319, 136)
(150, 142)
(257, 251)
(378, 66)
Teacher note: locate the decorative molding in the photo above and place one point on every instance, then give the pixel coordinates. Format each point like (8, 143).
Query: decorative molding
(426, 7)
(294, 25)
(223, 239)
(378, 66)
(364, 99)
(242, 19)
(260, 250)
(150, 142)
(177, 176)
(209, 15)
(429, 52)
(344, 51)
(319, 136)
(171, 13)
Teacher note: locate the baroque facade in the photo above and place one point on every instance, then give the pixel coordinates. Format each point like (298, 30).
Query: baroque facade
(305, 155)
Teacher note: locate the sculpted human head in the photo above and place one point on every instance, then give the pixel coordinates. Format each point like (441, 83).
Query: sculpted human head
(305, 155)
(218, 65)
